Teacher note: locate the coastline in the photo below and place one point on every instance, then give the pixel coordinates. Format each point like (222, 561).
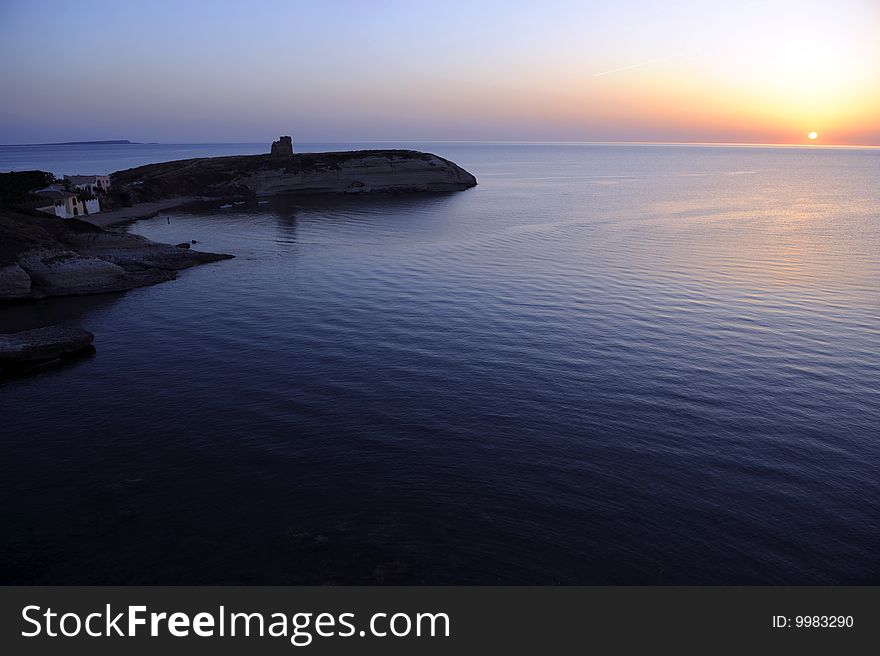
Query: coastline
(43, 256)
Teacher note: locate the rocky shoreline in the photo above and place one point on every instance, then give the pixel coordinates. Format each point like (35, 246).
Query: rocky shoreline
(42, 256)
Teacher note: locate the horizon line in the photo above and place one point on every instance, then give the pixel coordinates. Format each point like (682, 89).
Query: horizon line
(461, 141)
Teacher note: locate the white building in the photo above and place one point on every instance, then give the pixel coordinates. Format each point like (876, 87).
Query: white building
(65, 204)
(93, 205)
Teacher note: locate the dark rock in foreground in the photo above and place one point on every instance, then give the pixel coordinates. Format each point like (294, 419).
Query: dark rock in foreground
(23, 351)
(42, 256)
(354, 172)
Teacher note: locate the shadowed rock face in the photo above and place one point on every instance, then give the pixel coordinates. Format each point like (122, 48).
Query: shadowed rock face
(44, 256)
(362, 171)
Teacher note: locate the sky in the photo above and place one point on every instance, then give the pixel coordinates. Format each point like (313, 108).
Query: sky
(743, 71)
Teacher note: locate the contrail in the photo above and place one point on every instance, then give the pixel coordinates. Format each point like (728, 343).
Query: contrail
(626, 68)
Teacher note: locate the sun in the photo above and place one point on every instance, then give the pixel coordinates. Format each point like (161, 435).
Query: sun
(813, 136)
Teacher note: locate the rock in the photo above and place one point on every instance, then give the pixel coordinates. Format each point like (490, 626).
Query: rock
(61, 272)
(138, 254)
(183, 244)
(14, 282)
(43, 345)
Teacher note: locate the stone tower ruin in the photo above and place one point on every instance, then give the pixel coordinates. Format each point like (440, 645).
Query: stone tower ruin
(284, 146)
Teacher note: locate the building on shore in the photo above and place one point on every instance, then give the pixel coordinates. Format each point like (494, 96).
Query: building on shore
(90, 183)
(65, 204)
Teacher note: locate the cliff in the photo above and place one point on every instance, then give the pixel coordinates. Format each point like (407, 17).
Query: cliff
(42, 255)
(362, 171)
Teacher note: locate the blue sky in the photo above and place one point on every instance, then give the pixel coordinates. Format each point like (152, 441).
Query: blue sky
(411, 71)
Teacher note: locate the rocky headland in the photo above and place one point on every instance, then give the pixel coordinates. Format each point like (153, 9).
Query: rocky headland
(248, 176)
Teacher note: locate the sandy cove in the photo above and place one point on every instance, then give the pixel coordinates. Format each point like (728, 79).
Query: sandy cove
(138, 211)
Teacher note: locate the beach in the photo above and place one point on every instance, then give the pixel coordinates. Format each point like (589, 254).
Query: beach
(126, 215)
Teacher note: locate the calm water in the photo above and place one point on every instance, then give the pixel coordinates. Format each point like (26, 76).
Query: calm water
(602, 365)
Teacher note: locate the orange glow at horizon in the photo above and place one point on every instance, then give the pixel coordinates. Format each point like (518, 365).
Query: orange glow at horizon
(767, 77)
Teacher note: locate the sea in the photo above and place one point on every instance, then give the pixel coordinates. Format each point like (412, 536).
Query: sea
(605, 364)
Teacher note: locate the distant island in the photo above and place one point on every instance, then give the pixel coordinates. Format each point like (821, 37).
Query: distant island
(106, 142)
